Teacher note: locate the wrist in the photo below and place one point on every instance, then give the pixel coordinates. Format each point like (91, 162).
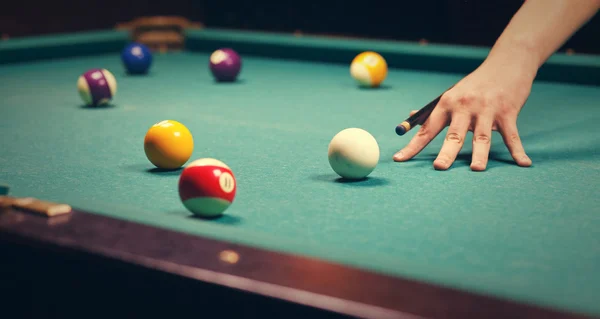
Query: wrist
(516, 55)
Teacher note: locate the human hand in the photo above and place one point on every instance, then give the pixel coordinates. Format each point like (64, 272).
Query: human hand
(489, 99)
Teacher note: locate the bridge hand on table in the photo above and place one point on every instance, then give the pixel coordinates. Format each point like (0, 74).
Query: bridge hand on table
(489, 99)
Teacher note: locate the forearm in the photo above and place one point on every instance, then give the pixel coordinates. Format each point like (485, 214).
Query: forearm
(540, 27)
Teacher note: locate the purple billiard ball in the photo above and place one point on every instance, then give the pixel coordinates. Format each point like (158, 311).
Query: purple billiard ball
(97, 87)
(225, 65)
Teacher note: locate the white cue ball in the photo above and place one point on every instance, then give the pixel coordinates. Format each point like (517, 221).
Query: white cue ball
(353, 153)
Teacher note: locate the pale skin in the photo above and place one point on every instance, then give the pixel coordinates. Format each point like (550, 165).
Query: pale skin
(491, 97)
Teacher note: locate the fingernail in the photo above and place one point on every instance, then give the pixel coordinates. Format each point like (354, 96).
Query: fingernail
(525, 158)
(399, 155)
(478, 163)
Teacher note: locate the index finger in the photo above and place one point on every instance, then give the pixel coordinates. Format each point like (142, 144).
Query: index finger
(428, 131)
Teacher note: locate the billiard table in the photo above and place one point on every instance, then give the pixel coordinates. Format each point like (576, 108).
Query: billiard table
(407, 242)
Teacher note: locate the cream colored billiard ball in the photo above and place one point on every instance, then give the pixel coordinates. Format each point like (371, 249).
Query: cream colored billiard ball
(353, 153)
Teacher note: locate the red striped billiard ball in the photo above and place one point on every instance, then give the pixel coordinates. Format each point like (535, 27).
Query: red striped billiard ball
(207, 187)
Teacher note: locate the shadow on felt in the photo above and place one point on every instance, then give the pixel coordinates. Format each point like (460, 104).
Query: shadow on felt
(499, 155)
(382, 87)
(224, 219)
(141, 168)
(99, 107)
(499, 158)
(138, 74)
(230, 82)
(462, 160)
(368, 181)
(357, 86)
(163, 171)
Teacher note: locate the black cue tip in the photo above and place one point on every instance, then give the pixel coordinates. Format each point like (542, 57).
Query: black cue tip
(402, 128)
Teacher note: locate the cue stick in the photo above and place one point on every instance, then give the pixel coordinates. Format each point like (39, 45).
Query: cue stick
(419, 117)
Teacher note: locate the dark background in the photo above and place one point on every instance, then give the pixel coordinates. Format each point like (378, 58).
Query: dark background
(471, 22)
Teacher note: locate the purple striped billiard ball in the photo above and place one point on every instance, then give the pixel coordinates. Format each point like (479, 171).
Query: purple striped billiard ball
(97, 87)
(225, 65)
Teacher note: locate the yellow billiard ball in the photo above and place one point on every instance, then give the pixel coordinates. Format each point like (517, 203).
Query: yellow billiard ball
(168, 144)
(369, 69)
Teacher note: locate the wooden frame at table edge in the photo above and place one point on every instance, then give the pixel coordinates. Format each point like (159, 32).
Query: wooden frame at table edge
(277, 276)
(282, 276)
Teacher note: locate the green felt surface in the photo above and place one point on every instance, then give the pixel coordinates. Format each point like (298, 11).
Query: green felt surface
(531, 234)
